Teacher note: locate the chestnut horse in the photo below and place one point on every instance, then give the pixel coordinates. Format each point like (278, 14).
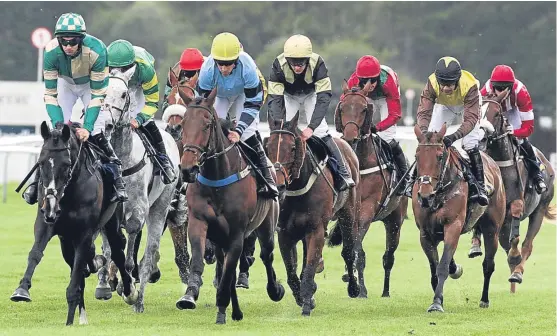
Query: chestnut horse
(308, 203)
(353, 119)
(442, 211)
(522, 199)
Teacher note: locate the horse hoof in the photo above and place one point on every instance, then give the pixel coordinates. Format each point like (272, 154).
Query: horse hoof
(320, 267)
(103, 292)
(353, 289)
(345, 277)
(113, 284)
(458, 273)
(363, 295)
(186, 302)
(276, 293)
(386, 295)
(435, 307)
(475, 251)
(138, 308)
(306, 310)
(21, 295)
(484, 304)
(221, 318)
(516, 278)
(237, 315)
(119, 289)
(215, 283)
(155, 276)
(132, 299)
(243, 281)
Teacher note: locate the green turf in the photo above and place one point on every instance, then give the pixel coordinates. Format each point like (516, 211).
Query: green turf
(531, 311)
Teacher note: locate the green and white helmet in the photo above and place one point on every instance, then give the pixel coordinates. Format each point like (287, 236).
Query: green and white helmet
(120, 54)
(70, 24)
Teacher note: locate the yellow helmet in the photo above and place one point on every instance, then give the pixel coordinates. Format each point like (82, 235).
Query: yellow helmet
(298, 46)
(226, 47)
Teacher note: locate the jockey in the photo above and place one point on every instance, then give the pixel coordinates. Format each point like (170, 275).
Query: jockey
(451, 93)
(299, 80)
(385, 97)
(75, 67)
(239, 92)
(144, 86)
(186, 69)
(519, 113)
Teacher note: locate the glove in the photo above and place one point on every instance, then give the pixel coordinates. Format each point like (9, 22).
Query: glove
(373, 129)
(448, 140)
(509, 129)
(142, 118)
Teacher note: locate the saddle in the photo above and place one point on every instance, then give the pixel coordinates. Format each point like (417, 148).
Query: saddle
(386, 154)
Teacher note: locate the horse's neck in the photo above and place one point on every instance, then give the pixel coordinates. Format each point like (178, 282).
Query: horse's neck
(224, 165)
(366, 153)
(123, 145)
(501, 149)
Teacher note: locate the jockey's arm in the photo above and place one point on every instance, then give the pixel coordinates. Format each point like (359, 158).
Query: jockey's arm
(526, 110)
(323, 90)
(167, 90)
(263, 83)
(392, 96)
(253, 90)
(425, 107)
(471, 113)
(275, 104)
(50, 73)
(99, 84)
(150, 86)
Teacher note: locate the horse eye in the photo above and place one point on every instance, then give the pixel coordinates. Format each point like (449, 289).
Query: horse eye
(123, 95)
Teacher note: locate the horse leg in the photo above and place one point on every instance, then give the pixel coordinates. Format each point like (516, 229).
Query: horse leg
(365, 222)
(476, 248)
(224, 292)
(181, 254)
(489, 229)
(77, 282)
(103, 290)
(266, 235)
(246, 260)
(290, 258)
(393, 223)
(218, 267)
(348, 225)
(534, 226)
(315, 242)
(43, 234)
(136, 243)
(197, 233)
(430, 249)
(451, 236)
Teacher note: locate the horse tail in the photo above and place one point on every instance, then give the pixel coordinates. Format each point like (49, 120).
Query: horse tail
(335, 236)
(551, 212)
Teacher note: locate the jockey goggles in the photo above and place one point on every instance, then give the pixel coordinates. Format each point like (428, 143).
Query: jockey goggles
(72, 43)
(300, 62)
(363, 81)
(225, 63)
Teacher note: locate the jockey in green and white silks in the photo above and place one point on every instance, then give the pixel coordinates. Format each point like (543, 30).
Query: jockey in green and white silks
(75, 66)
(144, 94)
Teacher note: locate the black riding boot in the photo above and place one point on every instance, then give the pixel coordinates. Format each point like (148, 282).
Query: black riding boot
(268, 189)
(478, 171)
(345, 178)
(106, 147)
(158, 143)
(534, 164)
(407, 191)
(31, 193)
(400, 161)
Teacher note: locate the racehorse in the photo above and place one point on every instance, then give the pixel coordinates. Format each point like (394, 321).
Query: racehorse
(353, 119)
(74, 204)
(522, 200)
(308, 203)
(223, 206)
(149, 197)
(442, 211)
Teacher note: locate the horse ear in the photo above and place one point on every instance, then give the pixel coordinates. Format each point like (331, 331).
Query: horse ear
(129, 73)
(294, 121)
(503, 95)
(193, 80)
(366, 89)
(418, 131)
(345, 87)
(442, 131)
(45, 131)
(187, 99)
(66, 133)
(173, 78)
(211, 98)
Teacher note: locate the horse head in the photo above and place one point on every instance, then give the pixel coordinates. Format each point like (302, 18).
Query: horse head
(352, 116)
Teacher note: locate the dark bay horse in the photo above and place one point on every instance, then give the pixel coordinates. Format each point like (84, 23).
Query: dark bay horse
(74, 204)
(308, 203)
(353, 119)
(442, 211)
(522, 199)
(223, 206)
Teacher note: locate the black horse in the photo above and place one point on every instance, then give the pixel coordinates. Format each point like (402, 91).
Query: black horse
(74, 204)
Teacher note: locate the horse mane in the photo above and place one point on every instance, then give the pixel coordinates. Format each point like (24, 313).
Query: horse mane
(299, 154)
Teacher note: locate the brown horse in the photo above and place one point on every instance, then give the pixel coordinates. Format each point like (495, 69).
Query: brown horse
(308, 203)
(223, 206)
(522, 200)
(442, 211)
(353, 119)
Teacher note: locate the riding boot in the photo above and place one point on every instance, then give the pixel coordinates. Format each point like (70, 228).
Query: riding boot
(346, 180)
(534, 164)
(268, 189)
(478, 171)
(407, 191)
(31, 193)
(400, 161)
(106, 147)
(158, 143)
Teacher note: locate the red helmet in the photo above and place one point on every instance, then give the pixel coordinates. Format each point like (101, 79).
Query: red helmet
(191, 59)
(502, 73)
(367, 67)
